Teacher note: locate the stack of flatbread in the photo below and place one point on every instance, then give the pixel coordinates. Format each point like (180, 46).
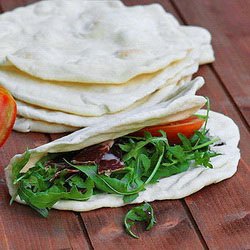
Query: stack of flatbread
(74, 63)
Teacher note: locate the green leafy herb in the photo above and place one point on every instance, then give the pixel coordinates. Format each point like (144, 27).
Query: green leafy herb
(19, 164)
(129, 188)
(140, 213)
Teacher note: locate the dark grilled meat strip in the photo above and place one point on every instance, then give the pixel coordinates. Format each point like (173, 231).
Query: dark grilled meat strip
(92, 154)
(110, 163)
(68, 172)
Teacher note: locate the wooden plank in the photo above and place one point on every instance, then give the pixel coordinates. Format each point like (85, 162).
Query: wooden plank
(7, 5)
(23, 228)
(172, 231)
(222, 211)
(229, 22)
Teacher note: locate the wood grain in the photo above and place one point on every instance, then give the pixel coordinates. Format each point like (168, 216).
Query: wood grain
(20, 226)
(222, 211)
(172, 231)
(229, 22)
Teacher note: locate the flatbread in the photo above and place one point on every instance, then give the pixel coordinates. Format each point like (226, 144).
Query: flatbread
(90, 99)
(180, 108)
(173, 187)
(203, 37)
(26, 125)
(166, 95)
(94, 41)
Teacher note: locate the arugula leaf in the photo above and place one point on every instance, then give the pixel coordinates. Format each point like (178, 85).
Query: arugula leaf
(178, 152)
(203, 158)
(130, 198)
(19, 164)
(37, 189)
(167, 170)
(42, 211)
(77, 181)
(207, 115)
(103, 182)
(185, 142)
(134, 152)
(125, 147)
(140, 213)
(49, 197)
(145, 161)
(46, 158)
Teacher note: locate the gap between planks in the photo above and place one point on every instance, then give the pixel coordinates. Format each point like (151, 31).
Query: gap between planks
(84, 229)
(217, 75)
(195, 225)
(230, 97)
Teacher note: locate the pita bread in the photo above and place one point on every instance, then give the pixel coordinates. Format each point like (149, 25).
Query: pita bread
(94, 41)
(90, 99)
(26, 125)
(203, 37)
(173, 187)
(32, 115)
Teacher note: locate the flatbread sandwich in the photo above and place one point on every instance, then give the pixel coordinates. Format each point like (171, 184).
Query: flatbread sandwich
(105, 166)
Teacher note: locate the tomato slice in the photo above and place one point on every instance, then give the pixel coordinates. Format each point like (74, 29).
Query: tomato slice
(8, 111)
(186, 127)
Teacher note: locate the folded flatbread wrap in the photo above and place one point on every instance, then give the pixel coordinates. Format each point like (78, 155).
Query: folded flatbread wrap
(173, 187)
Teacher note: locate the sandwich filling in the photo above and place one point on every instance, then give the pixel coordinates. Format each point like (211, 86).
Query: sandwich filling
(124, 166)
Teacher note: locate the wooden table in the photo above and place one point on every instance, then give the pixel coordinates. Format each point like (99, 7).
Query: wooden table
(217, 217)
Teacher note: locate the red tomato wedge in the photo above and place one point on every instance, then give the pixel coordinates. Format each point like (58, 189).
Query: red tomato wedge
(7, 114)
(186, 127)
